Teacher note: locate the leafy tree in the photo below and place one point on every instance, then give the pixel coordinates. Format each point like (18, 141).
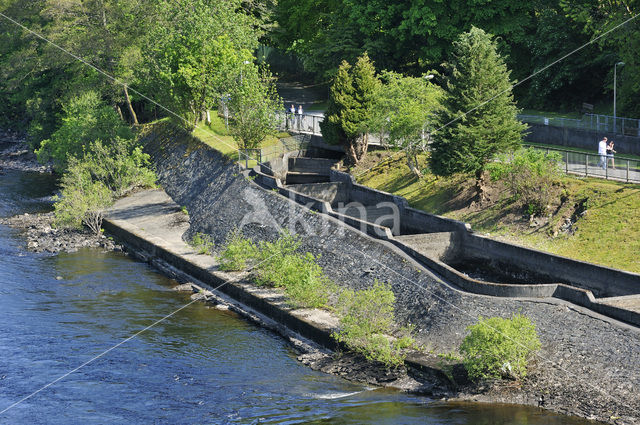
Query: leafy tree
(104, 171)
(597, 17)
(350, 108)
(253, 105)
(197, 50)
(82, 199)
(406, 36)
(482, 116)
(86, 119)
(406, 112)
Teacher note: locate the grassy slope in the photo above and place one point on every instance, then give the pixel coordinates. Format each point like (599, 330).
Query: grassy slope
(608, 234)
(217, 136)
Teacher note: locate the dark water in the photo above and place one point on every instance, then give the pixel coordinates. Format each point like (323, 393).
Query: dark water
(199, 366)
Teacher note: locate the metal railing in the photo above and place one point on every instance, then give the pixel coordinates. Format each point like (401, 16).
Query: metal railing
(592, 122)
(594, 165)
(252, 157)
(300, 123)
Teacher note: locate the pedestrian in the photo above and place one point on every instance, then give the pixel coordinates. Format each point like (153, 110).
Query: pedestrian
(299, 116)
(602, 151)
(610, 152)
(292, 118)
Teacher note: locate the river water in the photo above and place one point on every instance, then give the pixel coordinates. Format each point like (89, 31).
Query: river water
(199, 366)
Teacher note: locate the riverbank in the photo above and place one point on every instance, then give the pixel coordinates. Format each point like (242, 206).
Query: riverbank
(587, 366)
(15, 154)
(42, 236)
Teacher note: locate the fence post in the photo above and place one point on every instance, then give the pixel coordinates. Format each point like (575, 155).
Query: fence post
(586, 165)
(566, 162)
(627, 171)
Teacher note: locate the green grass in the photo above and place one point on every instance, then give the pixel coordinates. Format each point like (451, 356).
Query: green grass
(216, 136)
(608, 234)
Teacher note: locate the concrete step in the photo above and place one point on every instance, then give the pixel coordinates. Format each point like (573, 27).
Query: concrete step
(438, 246)
(304, 178)
(310, 165)
(331, 192)
(383, 216)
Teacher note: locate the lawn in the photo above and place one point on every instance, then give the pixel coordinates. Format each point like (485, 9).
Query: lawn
(608, 233)
(218, 137)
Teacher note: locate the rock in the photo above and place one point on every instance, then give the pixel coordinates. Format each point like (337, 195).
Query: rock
(222, 307)
(59, 278)
(185, 287)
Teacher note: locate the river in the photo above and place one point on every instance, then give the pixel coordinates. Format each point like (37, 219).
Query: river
(201, 365)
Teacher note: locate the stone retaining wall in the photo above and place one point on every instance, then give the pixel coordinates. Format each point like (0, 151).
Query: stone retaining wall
(592, 348)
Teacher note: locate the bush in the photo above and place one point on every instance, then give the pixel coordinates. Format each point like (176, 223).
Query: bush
(237, 253)
(366, 321)
(202, 243)
(531, 175)
(82, 199)
(91, 182)
(86, 119)
(497, 347)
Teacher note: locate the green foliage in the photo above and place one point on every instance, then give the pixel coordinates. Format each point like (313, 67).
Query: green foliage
(86, 119)
(497, 347)
(366, 321)
(253, 105)
(278, 264)
(531, 175)
(238, 253)
(82, 199)
(481, 120)
(350, 107)
(91, 182)
(197, 49)
(203, 243)
(406, 111)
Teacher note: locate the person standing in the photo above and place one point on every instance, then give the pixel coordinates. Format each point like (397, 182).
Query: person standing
(299, 116)
(610, 153)
(602, 151)
(292, 117)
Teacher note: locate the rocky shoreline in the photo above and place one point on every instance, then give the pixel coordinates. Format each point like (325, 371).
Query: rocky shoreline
(15, 154)
(41, 236)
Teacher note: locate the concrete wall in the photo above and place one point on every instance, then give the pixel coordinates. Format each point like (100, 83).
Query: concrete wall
(603, 281)
(576, 138)
(331, 192)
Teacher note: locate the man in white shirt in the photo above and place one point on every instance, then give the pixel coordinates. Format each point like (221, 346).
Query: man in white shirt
(602, 151)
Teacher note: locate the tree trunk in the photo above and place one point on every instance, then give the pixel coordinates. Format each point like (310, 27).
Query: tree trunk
(412, 163)
(131, 111)
(119, 111)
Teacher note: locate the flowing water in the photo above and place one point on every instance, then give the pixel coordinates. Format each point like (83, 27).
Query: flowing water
(199, 366)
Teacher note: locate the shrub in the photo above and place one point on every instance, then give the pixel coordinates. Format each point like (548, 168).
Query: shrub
(531, 175)
(299, 274)
(497, 347)
(92, 181)
(82, 200)
(366, 320)
(237, 253)
(86, 119)
(202, 243)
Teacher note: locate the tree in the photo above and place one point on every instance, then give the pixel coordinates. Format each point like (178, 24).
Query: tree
(253, 105)
(197, 49)
(86, 119)
(350, 107)
(406, 112)
(597, 17)
(481, 119)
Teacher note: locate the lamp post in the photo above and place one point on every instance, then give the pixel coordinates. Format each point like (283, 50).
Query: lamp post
(614, 94)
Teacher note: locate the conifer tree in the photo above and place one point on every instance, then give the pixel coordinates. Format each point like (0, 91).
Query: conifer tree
(351, 101)
(481, 119)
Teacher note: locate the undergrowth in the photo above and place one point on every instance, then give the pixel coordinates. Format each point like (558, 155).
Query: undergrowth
(366, 317)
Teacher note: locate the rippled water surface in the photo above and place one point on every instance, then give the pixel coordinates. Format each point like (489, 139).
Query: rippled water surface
(199, 366)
